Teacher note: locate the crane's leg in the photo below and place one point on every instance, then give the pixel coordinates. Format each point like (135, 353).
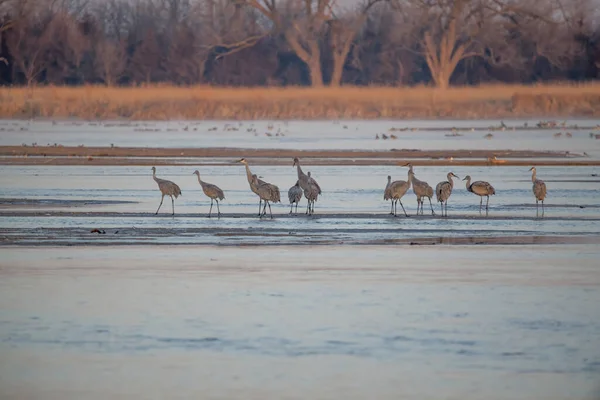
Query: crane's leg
(394, 206)
(401, 205)
(392, 210)
(542, 208)
(265, 208)
(161, 201)
(218, 209)
(291, 207)
(442, 207)
(313, 207)
(536, 208)
(487, 203)
(173, 205)
(307, 207)
(259, 205)
(431, 205)
(446, 208)
(271, 212)
(480, 204)
(418, 205)
(210, 211)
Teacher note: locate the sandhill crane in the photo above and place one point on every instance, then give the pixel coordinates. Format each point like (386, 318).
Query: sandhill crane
(307, 183)
(311, 181)
(443, 190)
(394, 192)
(295, 195)
(211, 191)
(311, 194)
(167, 188)
(267, 193)
(480, 188)
(539, 190)
(420, 189)
(387, 194)
(253, 186)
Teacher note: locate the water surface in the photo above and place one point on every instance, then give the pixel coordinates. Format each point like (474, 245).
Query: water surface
(516, 322)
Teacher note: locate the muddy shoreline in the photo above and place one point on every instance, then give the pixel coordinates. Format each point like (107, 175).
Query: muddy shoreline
(103, 241)
(108, 233)
(60, 155)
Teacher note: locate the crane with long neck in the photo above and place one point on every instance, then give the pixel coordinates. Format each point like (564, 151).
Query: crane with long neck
(539, 190)
(253, 185)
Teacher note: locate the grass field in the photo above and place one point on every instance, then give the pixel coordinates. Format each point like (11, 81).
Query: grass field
(203, 102)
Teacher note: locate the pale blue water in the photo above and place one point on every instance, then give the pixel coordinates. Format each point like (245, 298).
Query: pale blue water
(511, 322)
(421, 134)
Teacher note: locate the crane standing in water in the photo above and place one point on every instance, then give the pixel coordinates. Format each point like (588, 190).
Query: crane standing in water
(480, 188)
(539, 191)
(167, 188)
(420, 189)
(443, 190)
(267, 192)
(308, 185)
(394, 192)
(295, 195)
(253, 186)
(311, 194)
(211, 191)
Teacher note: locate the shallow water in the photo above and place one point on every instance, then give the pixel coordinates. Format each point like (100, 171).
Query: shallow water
(516, 322)
(306, 135)
(351, 207)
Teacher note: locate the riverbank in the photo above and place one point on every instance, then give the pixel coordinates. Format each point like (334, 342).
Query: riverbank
(69, 155)
(169, 102)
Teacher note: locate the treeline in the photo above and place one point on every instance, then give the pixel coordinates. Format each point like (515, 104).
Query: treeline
(297, 42)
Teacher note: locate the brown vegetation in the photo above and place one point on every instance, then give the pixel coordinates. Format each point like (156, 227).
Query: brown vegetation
(168, 102)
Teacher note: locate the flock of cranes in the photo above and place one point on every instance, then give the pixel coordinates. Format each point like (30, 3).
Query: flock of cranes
(306, 185)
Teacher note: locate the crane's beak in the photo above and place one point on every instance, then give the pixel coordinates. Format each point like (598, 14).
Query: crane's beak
(463, 179)
(455, 176)
(531, 169)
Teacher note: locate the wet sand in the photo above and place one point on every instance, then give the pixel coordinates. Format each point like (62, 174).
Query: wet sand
(234, 230)
(21, 155)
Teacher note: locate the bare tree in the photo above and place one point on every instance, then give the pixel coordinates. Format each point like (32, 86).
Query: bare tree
(302, 23)
(66, 51)
(449, 31)
(343, 31)
(28, 41)
(110, 62)
(223, 28)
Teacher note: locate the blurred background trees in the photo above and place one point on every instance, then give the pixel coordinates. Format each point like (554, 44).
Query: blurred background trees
(298, 42)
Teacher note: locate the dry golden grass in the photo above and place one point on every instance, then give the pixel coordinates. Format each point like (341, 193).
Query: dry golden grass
(200, 102)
